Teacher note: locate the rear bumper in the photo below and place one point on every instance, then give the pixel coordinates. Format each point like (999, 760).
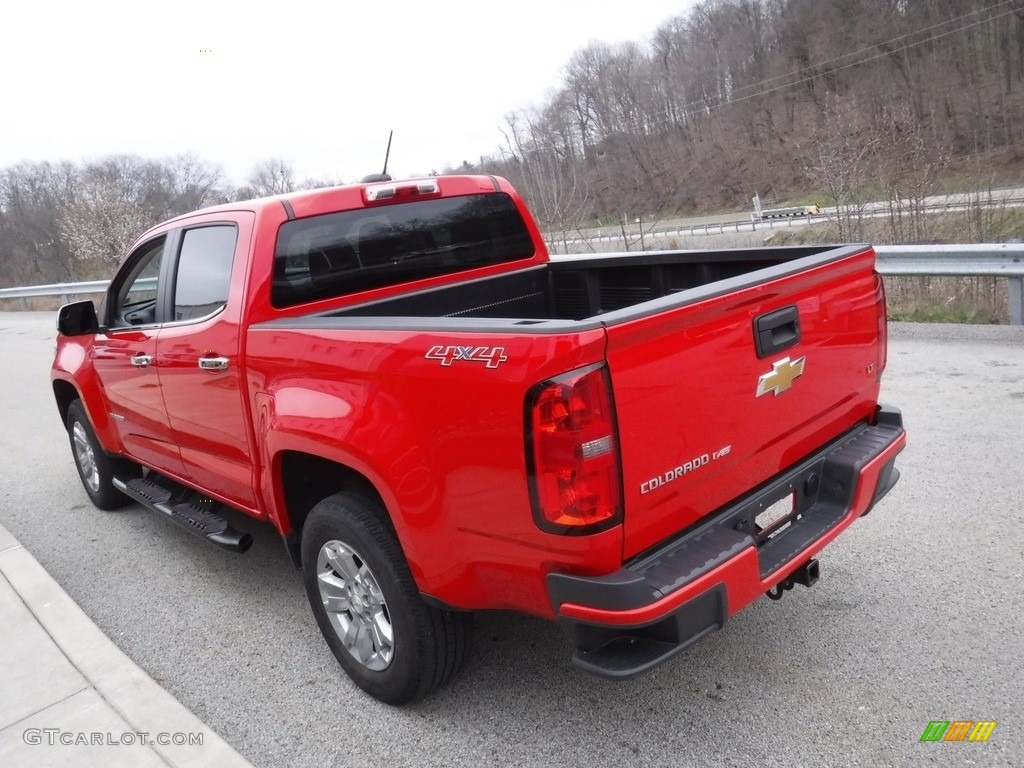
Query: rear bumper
(671, 596)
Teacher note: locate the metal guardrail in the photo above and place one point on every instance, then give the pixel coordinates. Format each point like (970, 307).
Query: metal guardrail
(55, 289)
(67, 290)
(987, 260)
(1005, 260)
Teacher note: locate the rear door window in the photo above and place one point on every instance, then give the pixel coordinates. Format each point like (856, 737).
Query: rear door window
(204, 271)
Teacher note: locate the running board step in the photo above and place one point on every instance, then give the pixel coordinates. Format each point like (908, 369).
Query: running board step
(197, 516)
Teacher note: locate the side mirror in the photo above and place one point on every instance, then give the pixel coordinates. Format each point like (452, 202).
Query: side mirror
(77, 319)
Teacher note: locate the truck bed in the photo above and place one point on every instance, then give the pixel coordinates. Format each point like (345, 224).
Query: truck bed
(598, 289)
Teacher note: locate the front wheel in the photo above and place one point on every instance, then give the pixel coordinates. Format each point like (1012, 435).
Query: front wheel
(392, 644)
(95, 467)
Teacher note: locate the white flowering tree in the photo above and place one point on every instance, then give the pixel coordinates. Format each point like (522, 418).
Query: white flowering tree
(101, 222)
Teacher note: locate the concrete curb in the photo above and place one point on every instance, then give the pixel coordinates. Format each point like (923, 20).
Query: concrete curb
(121, 685)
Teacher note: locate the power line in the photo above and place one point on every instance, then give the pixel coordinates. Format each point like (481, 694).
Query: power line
(883, 54)
(875, 45)
(700, 107)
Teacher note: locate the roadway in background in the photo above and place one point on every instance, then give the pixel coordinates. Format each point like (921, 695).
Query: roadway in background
(919, 614)
(742, 231)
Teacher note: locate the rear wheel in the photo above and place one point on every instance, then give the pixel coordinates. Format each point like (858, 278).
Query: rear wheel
(95, 467)
(392, 644)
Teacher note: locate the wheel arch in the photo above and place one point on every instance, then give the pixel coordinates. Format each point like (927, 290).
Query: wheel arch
(65, 394)
(68, 388)
(305, 479)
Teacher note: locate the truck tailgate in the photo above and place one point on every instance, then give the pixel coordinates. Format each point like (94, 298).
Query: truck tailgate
(703, 418)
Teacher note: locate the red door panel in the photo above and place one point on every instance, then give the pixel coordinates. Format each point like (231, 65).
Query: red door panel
(200, 358)
(125, 362)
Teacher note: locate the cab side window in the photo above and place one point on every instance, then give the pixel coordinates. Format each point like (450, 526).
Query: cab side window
(204, 271)
(135, 300)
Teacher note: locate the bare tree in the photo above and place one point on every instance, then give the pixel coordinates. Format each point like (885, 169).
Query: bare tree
(913, 159)
(321, 182)
(194, 183)
(32, 247)
(142, 181)
(547, 171)
(839, 162)
(271, 177)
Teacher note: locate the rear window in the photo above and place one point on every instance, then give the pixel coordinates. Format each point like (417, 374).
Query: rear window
(342, 253)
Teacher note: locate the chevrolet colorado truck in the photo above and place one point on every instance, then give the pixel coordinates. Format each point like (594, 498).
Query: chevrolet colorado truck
(439, 419)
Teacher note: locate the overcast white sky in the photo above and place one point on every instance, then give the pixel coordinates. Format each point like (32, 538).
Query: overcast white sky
(319, 84)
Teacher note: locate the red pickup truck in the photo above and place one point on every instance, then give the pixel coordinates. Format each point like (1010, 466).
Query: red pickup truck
(439, 419)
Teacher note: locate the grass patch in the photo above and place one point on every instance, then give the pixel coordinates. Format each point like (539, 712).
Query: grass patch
(988, 224)
(936, 313)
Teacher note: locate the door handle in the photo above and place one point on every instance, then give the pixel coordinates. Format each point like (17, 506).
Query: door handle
(213, 363)
(142, 361)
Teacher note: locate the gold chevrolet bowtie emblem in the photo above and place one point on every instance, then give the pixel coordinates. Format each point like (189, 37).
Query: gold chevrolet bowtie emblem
(781, 376)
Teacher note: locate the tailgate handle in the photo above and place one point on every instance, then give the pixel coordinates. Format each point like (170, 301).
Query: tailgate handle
(776, 331)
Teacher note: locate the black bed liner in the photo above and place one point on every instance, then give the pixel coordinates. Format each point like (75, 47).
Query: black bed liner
(580, 292)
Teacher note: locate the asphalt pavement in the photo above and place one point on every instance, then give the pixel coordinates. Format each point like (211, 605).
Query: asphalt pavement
(919, 614)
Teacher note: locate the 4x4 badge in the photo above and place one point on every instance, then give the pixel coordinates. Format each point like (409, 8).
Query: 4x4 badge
(493, 356)
(780, 377)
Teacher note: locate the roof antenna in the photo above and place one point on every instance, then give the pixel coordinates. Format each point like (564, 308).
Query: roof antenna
(383, 175)
(387, 154)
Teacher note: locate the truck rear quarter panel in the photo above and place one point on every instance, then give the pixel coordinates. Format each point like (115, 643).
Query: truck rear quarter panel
(443, 445)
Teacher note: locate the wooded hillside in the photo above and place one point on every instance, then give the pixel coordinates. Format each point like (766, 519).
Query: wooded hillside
(781, 97)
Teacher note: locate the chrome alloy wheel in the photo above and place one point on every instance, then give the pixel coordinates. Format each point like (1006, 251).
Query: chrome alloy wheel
(86, 458)
(355, 605)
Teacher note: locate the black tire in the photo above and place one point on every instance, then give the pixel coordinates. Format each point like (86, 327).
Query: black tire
(429, 645)
(99, 485)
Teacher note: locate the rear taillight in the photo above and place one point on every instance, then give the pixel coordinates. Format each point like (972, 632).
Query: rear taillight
(573, 454)
(883, 327)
